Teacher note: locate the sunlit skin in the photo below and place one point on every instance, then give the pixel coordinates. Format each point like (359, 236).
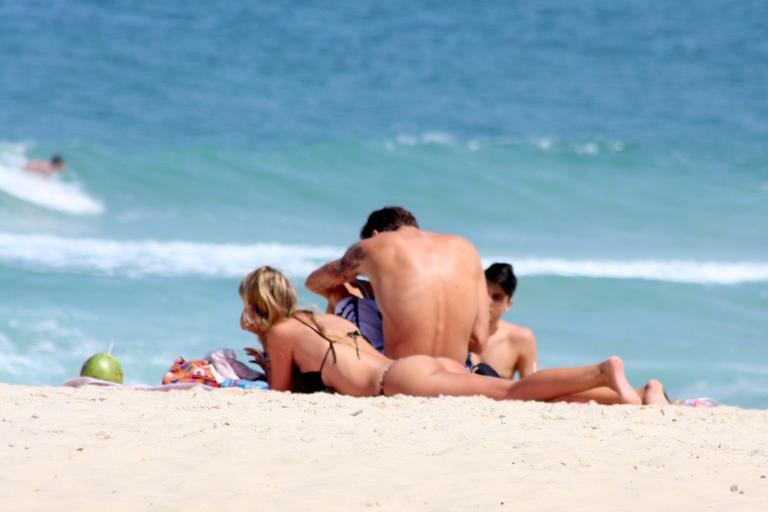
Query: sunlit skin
(44, 167)
(361, 371)
(429, 287)
(510, 349)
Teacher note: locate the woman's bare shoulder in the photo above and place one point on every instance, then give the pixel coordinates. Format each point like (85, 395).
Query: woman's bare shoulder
(285, 329)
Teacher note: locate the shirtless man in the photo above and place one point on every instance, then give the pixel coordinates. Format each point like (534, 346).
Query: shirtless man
(429, 288)
(56, 164)
(510, 348)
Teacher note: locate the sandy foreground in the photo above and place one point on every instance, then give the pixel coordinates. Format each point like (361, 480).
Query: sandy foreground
(225, 450)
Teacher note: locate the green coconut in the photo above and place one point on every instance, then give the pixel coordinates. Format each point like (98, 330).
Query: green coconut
(103, 366)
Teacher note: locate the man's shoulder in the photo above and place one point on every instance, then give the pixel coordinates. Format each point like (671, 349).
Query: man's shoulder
(457, 243)
(409, 240)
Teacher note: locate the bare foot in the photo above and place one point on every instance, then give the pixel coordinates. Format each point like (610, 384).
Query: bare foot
(613, 368)
(654, 393)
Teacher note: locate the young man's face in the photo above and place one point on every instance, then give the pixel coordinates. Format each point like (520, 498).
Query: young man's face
(500, 301)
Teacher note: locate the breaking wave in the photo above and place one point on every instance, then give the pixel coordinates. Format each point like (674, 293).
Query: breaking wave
(175, 258)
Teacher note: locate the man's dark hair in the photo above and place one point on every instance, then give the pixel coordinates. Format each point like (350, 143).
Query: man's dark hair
(57, 160)
(389, 218)
(503, 275)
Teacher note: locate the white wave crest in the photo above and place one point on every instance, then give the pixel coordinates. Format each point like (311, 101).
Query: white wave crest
(149, 257)
(680, 271)
(176, 258)
(426, 138)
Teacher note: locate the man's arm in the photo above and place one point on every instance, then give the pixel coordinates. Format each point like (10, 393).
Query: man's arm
(334, 274)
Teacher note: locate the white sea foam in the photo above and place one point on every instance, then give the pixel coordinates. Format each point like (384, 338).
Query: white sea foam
(683, 271)
(175, 258)
(149, 257)
(49, 192)
(589, 148)
(543, 144)
(434, 138)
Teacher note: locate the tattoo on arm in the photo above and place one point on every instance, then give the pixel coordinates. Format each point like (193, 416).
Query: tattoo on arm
(337, 272)
(351, 260)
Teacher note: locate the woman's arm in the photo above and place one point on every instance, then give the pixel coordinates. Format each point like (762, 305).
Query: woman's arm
(279, 374)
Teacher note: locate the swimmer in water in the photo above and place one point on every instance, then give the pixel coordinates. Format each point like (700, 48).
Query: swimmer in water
(54, 165)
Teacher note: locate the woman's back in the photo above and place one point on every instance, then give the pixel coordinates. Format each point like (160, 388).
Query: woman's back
(352, 366)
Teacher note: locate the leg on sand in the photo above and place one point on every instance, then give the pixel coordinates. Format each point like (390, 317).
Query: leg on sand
(654, 393)
(603, 395)
(428, 376)
(563, 381)
(650, 394)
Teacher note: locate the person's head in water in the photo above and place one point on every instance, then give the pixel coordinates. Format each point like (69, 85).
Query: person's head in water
(501, 281)
(57, 162)
(389, 218)
(268, 297)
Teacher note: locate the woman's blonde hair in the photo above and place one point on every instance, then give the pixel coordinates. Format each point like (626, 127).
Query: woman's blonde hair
(273, 299)
(270, 294)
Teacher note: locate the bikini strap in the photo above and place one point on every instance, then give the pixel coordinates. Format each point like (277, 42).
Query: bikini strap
(352, 334)
(331, 348)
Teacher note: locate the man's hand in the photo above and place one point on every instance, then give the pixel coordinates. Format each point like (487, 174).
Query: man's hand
(360, 289)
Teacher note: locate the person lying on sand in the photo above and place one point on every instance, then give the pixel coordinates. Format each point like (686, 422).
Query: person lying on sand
(429, 287)
(54, 165)
(328, 352)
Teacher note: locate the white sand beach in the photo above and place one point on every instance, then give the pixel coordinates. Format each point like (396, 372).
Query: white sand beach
(95, 449)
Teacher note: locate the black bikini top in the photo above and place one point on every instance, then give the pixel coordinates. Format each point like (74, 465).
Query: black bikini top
(311, 382)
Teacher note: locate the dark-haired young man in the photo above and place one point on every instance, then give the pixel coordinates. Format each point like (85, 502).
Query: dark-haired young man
(429, 288)
(510, 348)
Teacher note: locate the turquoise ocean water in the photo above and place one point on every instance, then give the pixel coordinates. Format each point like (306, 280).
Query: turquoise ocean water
(615, 152)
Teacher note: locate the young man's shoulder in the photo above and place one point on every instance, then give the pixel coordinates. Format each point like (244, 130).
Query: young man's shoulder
(517, 333)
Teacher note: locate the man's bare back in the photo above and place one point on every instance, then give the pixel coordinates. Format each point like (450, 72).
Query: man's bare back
(430, 289)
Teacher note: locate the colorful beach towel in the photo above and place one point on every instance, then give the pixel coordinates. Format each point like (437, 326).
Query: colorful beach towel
(698, 402)
(78, 382)
(198, 371)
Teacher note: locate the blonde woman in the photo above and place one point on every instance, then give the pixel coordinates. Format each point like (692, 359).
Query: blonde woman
(312, 351)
